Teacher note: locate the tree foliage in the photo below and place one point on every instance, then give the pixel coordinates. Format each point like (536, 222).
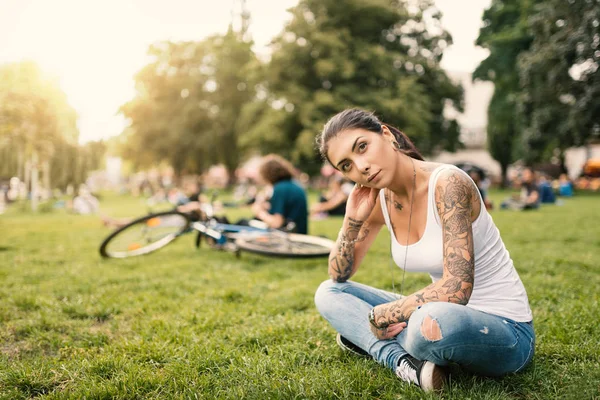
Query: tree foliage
(34, 112)
(560, 77)
(36, 118)
(543, 62)
(505, 34)
(379, 55)
(187, 104)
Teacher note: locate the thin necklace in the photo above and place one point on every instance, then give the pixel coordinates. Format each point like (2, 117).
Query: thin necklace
(412, 200)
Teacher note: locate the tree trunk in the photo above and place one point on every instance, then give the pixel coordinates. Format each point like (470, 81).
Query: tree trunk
(46, 176)
(26, 180)
(34, 181)
(21, 165)
(563, 165)
(504, 169)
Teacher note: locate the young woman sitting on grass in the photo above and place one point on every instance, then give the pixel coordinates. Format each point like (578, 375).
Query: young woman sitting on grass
(475, 313)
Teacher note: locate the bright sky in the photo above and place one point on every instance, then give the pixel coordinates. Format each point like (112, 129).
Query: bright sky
(95, 47)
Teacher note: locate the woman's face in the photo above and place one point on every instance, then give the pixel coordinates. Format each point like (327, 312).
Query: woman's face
(364, 157)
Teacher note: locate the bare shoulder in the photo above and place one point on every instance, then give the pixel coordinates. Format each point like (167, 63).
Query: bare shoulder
(428, 166)
(453, 190)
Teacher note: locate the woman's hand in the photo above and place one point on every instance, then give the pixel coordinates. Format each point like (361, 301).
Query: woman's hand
(361, 202)
(381, 326)
(389, 331)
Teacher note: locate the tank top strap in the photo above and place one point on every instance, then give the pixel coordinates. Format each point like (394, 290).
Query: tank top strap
(384, 210)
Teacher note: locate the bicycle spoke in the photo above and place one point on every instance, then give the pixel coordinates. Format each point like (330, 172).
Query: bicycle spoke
(285, 245)
(145, 235)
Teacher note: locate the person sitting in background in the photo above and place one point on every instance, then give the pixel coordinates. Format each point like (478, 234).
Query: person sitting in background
(529, 198)
(191, 202)
(546, 192)
(334, 201)
(565, 186)
(85, 203)
(481, 186)
(288, 202)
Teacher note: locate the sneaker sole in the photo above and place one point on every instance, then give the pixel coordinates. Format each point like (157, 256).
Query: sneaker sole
(433, 377)
(347, 347)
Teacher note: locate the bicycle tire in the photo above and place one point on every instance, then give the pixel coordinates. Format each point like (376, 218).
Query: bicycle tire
(157, 230)
(289, 245)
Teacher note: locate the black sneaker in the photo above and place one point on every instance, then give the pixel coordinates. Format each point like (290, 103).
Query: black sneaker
(347, 345)
(425, 374)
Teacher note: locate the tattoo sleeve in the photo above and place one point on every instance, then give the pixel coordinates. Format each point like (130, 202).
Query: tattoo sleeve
(455, 202)
(341, 260)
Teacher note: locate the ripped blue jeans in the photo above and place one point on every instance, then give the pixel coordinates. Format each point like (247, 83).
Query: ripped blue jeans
(482, 343)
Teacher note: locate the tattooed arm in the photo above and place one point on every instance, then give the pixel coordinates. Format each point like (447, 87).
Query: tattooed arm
(458, 205)
(355, 238)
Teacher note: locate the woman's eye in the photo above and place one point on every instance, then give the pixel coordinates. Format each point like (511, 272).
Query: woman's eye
(362, 146)
(346, 167)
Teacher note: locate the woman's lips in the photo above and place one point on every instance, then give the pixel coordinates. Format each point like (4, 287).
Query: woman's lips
(373, 176)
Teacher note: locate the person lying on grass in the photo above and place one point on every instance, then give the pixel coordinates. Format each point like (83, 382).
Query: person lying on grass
(475, 313)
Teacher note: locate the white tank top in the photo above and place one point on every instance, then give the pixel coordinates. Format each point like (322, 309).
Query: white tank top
(497, 289)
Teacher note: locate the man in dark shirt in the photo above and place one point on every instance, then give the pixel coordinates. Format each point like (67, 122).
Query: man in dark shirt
(530, 194)
(288, 202)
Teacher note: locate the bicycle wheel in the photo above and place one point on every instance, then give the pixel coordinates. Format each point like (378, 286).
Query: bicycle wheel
(279, 244)
(144, 235)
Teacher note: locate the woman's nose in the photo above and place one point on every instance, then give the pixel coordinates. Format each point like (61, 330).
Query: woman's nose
(363, 167)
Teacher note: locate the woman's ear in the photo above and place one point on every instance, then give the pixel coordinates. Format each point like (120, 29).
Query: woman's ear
(389, 136)
(387, 133)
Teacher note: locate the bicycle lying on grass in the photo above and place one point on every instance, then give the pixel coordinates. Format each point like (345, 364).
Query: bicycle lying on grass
(152, 232)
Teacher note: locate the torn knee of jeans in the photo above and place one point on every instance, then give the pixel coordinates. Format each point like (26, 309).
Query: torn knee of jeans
(430, 329)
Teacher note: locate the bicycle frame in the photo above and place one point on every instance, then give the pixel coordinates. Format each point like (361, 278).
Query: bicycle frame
(221, 233)
(152, 232)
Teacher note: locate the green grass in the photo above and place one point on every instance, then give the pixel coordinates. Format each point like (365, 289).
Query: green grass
(187, 323)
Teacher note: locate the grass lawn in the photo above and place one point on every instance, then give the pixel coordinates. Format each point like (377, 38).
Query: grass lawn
(187, 323)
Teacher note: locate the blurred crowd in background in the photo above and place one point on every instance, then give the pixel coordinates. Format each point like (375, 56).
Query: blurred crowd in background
(160, 186)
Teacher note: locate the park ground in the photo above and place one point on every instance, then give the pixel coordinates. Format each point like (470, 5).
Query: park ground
(185, 323)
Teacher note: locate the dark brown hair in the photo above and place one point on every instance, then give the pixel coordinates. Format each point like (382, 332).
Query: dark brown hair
(354, 118)
(274, 168)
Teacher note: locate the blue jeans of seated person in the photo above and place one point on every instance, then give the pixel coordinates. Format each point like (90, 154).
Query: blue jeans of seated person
(482, 343)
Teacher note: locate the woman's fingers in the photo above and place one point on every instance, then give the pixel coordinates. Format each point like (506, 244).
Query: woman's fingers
(388, 332)
(395, 329)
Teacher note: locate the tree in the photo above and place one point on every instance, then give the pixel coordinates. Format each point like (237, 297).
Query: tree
(34, 112)
(560, 78)
(373, 54)
(36, 121)
(187, 104)
(544, 65)
(166, 113)
(506, 36)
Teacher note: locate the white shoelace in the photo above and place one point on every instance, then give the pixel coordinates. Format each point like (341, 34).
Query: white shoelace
(407, 372)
